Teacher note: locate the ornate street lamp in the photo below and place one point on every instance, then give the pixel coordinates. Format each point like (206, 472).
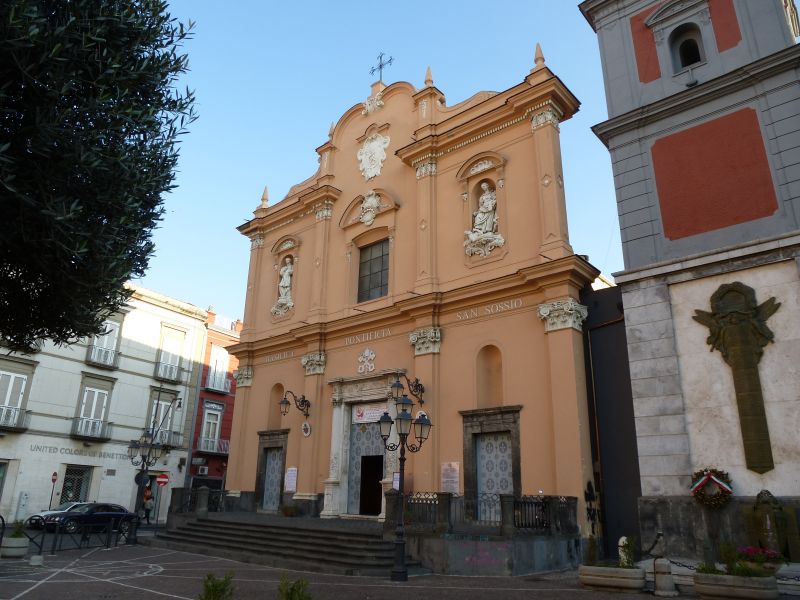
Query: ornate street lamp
(403, 423)
(301, 403)
(146, 451)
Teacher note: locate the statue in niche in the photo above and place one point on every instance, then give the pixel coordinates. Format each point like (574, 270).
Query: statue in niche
(738, 329)
(284, 302)
(483, 237)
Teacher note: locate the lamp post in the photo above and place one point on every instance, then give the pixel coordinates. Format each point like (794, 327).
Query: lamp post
(301, 403)
(403, 423)
(146, 451)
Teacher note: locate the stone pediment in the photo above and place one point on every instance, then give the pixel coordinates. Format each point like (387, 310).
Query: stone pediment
(671, 9)
(363, 209)
(364, 388)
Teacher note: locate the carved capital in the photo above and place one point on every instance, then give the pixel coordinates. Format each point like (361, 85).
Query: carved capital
(426, 169)
(323, 211)
(427, 340)
(546, 116)
(256, 241)
(244, 377)
(563, 314)
(314, 363)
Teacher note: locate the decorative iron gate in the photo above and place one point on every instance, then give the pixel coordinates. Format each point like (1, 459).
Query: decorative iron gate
(272, 478)
(365, 440)
(76, 484)
(494, 477)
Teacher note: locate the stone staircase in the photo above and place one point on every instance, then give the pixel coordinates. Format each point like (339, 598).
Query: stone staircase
(328, 546)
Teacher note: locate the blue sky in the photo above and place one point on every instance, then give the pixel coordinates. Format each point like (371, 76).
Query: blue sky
(270, 77)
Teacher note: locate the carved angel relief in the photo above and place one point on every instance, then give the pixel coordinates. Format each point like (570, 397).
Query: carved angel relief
(372, 154)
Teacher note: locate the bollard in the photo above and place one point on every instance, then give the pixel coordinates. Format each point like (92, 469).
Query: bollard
(662, 578)
(37, 560)
(201, 508)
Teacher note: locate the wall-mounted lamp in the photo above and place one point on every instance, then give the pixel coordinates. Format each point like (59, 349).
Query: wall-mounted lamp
(301, 403)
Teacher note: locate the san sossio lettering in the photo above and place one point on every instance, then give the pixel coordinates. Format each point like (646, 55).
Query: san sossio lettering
(489, 309)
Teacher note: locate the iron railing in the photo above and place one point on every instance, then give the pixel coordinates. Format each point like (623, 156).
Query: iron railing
(103, 357)
(216, 500)
(218, 381)
(91, 429)
(421, 507)
(168, 372)
(531, 512)
(14, 418)
(173, 439)
(213, 445)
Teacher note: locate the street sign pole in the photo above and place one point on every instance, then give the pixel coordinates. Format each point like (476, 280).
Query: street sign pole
(54, 478)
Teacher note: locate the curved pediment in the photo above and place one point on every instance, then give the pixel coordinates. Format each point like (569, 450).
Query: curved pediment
(287, 242)
(364, 209)
(479, 163)
(670, 9)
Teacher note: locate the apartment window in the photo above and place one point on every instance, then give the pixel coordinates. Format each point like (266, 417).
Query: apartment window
(373, 271)
(94, 403)
(212, 428)
(102, 350)
(15, 382)
(162, 417)
(169, 360)
(217, 378)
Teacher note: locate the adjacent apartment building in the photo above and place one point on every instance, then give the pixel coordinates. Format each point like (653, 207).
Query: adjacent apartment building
(68, 413)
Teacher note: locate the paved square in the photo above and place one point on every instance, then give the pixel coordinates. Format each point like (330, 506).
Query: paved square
(144, 572)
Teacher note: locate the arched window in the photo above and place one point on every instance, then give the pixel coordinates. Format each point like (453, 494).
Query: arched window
(686, 45)
(490, 377)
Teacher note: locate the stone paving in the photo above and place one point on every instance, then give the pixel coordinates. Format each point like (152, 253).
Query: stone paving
(128, 572)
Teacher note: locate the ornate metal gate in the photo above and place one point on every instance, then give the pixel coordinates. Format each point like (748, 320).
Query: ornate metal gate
(493, 463)
(272, 478)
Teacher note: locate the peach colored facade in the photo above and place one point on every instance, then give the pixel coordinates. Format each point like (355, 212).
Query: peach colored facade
(489, 323)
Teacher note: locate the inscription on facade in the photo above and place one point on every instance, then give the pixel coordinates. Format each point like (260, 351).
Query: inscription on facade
(271, 358)
(489, 309)
(77, 452)
(367, 336)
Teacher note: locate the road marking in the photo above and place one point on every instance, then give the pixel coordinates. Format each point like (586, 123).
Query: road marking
(36, 585)
(136, 588)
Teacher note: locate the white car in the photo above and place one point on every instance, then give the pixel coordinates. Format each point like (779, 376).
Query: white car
(36, 520)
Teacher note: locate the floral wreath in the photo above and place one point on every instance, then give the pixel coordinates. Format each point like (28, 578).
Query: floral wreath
(702, 478)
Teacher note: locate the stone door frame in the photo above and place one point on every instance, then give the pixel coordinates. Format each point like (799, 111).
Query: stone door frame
(347, 391)
(275, 438)
(499, 419)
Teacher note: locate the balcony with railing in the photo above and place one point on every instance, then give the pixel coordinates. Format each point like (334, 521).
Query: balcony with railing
(93, 430)
(168, 372)
(173, 439)
(212, 445)
(217, 381)
(14, 419)
(105, 358)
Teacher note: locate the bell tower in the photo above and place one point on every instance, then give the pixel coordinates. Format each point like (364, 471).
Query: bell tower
(704, 134)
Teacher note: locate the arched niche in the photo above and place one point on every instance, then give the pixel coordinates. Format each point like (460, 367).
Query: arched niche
(273, 406)
(489, 377)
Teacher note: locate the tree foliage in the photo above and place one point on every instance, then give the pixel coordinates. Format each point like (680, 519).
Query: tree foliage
(90, 117)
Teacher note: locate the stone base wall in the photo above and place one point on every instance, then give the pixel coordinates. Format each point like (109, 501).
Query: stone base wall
(687, 526)
(457, 554)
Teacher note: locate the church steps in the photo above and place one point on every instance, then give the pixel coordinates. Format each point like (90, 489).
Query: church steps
(329, 550)
(339, 545)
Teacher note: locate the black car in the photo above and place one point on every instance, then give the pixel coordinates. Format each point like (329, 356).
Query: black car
(94, 515)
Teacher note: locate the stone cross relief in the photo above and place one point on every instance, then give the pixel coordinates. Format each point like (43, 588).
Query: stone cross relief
(738, 329)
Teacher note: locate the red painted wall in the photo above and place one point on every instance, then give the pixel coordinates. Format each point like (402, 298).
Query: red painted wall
(726, 26)
(713, 175)
(644, 44)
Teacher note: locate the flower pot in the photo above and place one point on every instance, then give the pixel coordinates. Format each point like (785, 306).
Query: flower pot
(731, 586)
(14, 547)
(768, 568)
(612, 579)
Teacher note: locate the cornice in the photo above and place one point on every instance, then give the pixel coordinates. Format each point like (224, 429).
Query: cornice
(725, 85)
(509, 108)
(290, 209)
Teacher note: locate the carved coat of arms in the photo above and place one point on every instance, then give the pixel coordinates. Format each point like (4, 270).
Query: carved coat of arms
(372, 154)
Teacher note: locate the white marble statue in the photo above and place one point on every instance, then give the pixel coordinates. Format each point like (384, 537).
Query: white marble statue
(483, 237)
(284, 302)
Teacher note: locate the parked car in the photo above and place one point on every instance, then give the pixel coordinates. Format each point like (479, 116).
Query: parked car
(36, 520)
(93, 514)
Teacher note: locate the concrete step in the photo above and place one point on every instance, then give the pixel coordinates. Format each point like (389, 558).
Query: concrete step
(272, 530)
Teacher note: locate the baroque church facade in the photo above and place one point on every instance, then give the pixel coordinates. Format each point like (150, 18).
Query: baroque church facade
(431, 245)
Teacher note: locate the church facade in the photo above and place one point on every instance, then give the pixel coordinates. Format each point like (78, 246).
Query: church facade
(431, 246)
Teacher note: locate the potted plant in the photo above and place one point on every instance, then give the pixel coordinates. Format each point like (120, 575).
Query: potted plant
(745, 574)
(16, 544)
(618, 576)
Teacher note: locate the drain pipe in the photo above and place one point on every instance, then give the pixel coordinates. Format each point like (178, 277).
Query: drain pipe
(190, 450)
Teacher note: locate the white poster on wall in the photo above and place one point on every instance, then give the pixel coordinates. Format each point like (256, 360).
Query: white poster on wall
(450, 477)
(368, 413)
(290, 481)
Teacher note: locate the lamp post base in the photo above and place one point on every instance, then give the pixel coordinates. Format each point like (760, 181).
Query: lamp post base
(399, 570)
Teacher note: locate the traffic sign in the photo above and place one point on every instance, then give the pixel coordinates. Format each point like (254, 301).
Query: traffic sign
(54, 478)
(162, 479)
